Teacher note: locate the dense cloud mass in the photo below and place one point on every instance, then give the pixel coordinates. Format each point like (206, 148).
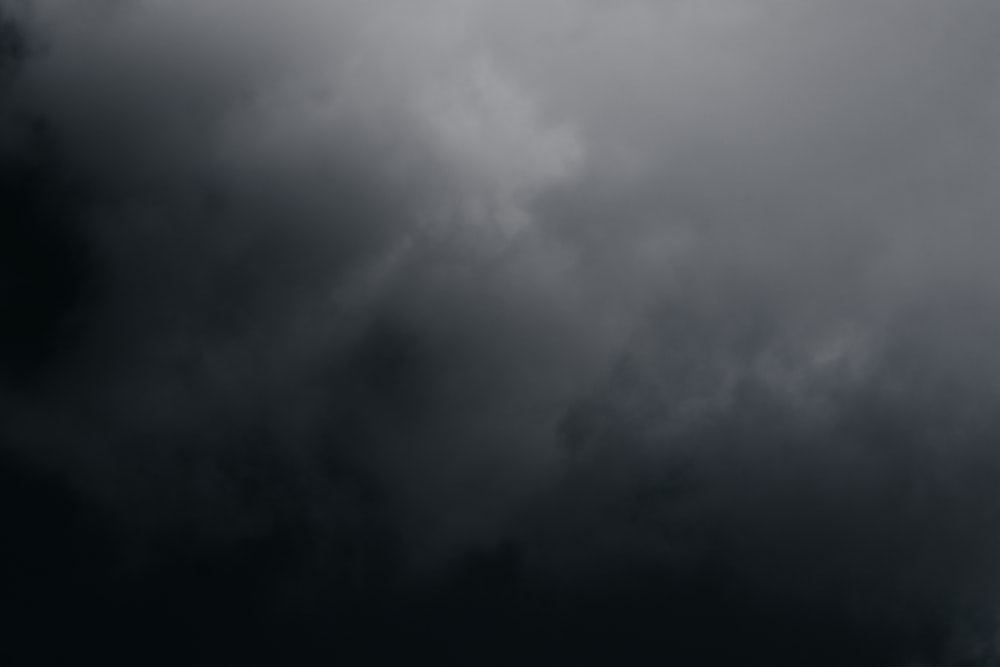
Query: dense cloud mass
(518, 332)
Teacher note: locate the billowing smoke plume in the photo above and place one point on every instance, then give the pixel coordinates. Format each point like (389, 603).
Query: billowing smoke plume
(685, 307)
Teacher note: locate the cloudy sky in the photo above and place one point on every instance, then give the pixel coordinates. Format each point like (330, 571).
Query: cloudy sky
(540, 330)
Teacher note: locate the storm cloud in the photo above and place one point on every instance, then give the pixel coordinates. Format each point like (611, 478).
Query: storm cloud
(629, 330)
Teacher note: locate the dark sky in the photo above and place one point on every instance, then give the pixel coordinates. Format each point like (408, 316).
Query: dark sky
(501, 332)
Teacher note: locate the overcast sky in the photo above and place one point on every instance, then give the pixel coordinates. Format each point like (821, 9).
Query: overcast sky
(633, 284)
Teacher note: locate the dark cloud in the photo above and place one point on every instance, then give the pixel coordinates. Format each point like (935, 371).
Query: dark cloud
(501, 332)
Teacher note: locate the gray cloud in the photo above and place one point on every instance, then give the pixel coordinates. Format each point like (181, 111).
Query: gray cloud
(644, 285)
